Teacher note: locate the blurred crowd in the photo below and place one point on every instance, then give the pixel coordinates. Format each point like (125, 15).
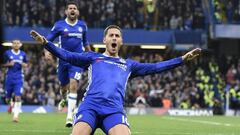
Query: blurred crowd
(226, 11)
(148, 14)
(204, 83)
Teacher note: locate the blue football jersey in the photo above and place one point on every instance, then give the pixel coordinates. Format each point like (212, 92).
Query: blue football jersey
(16, 70)
(72, 37)
(108, 75)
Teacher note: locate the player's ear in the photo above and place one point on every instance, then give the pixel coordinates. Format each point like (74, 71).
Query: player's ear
(65, 12)
(121, 42)
(104, 40)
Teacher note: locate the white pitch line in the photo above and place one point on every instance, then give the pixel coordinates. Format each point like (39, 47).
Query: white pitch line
(161, 133)
(203, 122)
(136, 132)
(36, 131)
(53, 131)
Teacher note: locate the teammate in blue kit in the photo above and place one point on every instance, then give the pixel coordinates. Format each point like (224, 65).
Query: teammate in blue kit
(102, 106)
(72, 35)
(15, 61)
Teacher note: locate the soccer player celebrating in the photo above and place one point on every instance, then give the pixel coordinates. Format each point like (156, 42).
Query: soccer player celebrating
(102, 106)
(73, 37)
(15, 61)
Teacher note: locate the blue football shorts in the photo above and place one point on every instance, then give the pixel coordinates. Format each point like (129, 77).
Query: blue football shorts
(104, 121)
(13, 86)
(67, 71)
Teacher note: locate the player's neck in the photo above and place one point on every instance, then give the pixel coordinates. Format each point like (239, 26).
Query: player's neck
(70, 21)
(15, 51)
(115, 55)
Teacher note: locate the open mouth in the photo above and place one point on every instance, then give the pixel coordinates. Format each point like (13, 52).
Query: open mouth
(72, 13)
(114, 45)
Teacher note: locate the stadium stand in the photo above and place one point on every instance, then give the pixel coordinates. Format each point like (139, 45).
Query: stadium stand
(166, 14)
(226, 11)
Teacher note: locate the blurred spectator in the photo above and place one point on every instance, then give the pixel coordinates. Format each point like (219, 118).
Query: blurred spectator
(149, 14)
(226, 11)
(173, 22)
(198, 19)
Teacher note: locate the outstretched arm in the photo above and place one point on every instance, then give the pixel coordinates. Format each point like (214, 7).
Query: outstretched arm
(78, 59)
(140, 69)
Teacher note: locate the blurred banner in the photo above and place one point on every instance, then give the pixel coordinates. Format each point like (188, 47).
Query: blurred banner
(32, 108)
(171, 112)
(1, 34)
(129, 111)
(131, 37)
(227, 31)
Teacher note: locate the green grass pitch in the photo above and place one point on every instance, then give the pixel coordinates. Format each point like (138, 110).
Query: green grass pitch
(53, 124)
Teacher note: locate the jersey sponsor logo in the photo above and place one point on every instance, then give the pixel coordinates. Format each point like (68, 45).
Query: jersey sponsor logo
(18, 61)
(122, 66)
(78, 35)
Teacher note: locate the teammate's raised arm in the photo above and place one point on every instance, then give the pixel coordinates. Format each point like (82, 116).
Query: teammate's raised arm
(78, 59)
(37, 37)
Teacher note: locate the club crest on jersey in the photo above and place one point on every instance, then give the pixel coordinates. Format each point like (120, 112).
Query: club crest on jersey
(21, 57)
(80, 29)
(11, 57)
(65, 29)
(122, 60)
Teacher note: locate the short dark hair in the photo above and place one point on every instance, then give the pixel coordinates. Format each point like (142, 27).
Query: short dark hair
(111, 27)
(71, 2)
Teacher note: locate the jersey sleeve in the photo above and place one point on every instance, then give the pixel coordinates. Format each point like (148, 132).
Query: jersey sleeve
(82, 60)
(5, 57)
(55, 32)
(24, 57)
(141, 69)
(85, 36)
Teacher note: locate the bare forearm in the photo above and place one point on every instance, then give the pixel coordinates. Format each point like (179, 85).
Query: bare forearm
(8, 64)
(24, 65)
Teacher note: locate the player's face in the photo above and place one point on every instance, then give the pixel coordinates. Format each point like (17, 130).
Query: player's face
(72, 12)
(113, 41)
(16, 44)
